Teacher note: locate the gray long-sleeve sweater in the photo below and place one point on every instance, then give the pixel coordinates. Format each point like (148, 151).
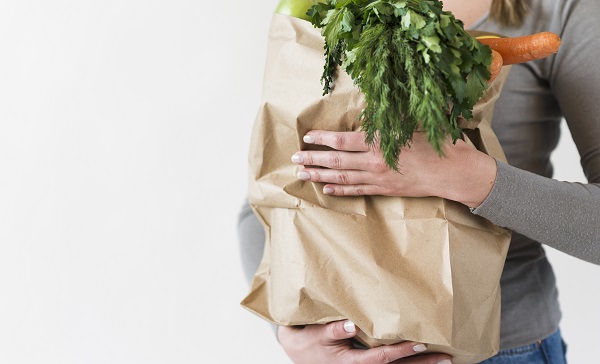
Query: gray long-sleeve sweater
(525, 199)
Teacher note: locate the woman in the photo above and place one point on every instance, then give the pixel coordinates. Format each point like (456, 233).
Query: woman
(520, 195)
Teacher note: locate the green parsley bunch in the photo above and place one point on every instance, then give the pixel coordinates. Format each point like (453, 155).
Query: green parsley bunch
(416, 65)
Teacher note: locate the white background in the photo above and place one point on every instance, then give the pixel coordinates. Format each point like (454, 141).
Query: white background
(124, 128)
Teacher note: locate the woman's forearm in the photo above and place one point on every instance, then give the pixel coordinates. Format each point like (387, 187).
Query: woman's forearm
(563, 215)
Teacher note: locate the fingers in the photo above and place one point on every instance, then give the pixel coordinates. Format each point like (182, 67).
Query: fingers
(329, 344)
(335, 332)
(403, 353)
(350, 141)
(343, 177)
(351, 152)
(338, 160)
(354, 190)
(361, 161)
(388, 353)
(345, 182)
(339, 330)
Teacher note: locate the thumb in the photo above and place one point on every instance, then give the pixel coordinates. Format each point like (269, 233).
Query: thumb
(339, 330)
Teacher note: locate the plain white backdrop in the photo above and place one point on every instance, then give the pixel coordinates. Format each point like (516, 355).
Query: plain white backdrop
(124, 128)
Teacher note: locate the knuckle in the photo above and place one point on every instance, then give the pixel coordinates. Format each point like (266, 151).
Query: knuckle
(343, 178)
(360, 190)
(308, 159)
(336, 331)
(383, 357)
(377, 165)
(316, 176)
(338, 141)
(335, 161)
(382, 167)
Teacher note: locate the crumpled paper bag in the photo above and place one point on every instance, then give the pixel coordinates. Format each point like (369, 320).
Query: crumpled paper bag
(419, 269)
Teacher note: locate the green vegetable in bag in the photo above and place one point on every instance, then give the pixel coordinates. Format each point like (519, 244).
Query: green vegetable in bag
(416, 65)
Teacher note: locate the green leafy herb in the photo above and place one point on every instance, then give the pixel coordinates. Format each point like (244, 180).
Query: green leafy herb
(416, 65)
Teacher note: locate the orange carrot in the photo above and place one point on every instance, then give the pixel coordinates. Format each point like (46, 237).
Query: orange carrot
(524, 49)
(495, 66)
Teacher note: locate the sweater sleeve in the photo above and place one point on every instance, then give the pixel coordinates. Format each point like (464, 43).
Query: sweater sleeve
(563, 215)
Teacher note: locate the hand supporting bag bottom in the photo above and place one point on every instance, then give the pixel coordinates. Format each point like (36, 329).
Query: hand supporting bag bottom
(419, 269)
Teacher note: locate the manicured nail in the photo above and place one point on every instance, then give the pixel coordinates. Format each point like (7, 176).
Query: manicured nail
(419, 348)
(309, 139)
(349, 327)
(297, 158)
(305, 176)
(328, 190)
(445, 361)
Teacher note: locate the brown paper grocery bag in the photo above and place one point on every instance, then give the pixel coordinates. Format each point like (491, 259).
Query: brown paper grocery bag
(420, 269)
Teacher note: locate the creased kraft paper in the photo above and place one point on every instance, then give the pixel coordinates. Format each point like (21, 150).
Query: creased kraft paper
(419, 269)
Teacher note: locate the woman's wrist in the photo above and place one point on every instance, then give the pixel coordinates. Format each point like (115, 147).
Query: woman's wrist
(472, 177)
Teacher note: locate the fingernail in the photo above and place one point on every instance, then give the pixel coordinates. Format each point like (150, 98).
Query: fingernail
(445, 361)
(309, 139)
(349, 327)
(305, 176)
(297, 158)
(419, 348)
(328, 190)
